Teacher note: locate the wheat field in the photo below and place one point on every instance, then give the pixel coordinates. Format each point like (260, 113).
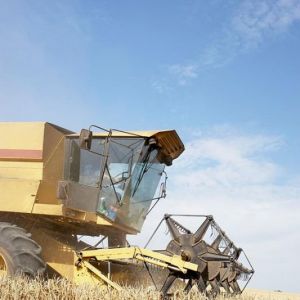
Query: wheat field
(61, 289)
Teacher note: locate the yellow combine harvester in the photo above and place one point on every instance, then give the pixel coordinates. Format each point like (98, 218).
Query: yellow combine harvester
(56, 185)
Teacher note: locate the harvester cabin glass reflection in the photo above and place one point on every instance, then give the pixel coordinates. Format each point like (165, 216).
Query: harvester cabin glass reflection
(123, 171)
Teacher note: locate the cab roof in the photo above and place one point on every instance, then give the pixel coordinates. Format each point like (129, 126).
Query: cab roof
(168, 140)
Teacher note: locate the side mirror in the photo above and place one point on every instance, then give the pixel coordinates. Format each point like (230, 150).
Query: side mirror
(85, 139)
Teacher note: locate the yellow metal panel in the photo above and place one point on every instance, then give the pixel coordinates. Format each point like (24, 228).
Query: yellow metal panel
(114, 253)
(57, 251)
(101, 275)
(53, 158)
(83, 275)
(22, 135)
(102, 221)
(18, 195)
(21, 170)
(150, 256)
(53, 152)
(48, 209)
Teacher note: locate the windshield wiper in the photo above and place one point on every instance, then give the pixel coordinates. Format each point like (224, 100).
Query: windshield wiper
(143, 171)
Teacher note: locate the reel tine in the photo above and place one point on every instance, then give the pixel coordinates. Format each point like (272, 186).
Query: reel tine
(208, 256)
(198, 235)
(214, 286)
(188, 286)
(226, 286)
(235, 287)
(173, 228)
(168, 283)
(201, 285)
(216, 243)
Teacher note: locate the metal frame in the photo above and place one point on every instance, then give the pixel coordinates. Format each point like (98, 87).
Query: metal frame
(221, 237)
(174, 263)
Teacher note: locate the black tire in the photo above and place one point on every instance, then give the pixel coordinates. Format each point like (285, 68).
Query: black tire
(19, 254)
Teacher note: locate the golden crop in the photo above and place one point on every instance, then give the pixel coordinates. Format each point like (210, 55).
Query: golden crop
(61, 289)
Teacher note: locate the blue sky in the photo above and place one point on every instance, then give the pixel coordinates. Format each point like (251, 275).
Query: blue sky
(225, 74)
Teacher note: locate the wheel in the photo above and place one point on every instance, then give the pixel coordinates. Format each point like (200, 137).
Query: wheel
(19, 254)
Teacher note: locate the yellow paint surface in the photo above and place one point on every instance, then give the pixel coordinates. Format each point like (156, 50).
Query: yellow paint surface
(21, 170)
(22, 135)
(48, 209)
(18, 195)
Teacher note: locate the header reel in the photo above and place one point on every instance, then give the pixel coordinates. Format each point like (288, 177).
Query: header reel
(212, 266)
(218, 263)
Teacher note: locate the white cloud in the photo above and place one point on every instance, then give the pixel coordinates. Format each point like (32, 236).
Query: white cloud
(229, 159)
(230, 175)
(252, 23)
(255, 20)
(184, 72)
(161, 86)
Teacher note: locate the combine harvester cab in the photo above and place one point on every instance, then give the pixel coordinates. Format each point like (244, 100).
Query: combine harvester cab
(56, 185)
